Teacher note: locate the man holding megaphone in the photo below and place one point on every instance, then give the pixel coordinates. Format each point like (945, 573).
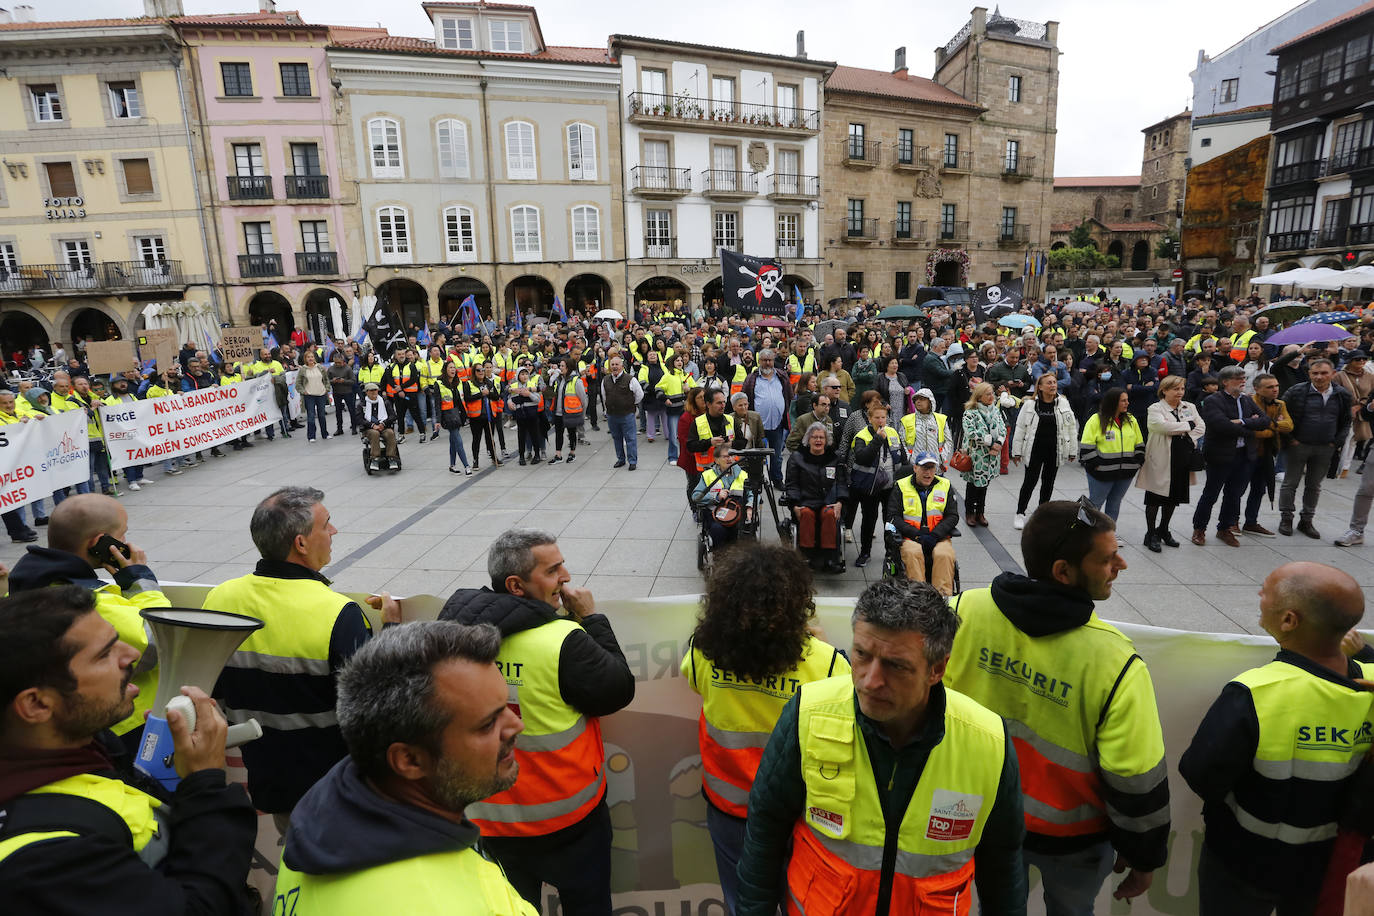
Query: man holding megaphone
(80, 830)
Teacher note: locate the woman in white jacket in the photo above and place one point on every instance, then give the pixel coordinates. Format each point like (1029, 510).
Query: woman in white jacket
(1175, 428)
(1046, 434)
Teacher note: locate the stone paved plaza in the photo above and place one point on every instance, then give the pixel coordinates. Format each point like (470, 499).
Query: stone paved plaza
(628, 535)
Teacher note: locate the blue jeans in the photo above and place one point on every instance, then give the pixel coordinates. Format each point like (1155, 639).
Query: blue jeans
(674, 415)
(1227, 481)
(315, 409)
(727, 836)
(455, 447)
(427, 411)
(1070, 881)
(623, 432)
(777, 441)
(1107, 494)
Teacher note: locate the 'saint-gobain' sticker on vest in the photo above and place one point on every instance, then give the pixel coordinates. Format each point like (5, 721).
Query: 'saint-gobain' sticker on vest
(828, 821)
(952, 815)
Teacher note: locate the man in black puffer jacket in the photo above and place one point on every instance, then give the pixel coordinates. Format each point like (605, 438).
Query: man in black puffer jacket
(563, 673)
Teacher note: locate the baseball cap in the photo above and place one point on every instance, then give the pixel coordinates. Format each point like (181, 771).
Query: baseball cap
(372, 386)
(927, 458)
(928, 395)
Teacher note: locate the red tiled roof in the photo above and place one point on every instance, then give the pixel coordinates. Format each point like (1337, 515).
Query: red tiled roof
(403, 43)
(1267, 106)
(1329, 24)
(1148, 225)
(490, 6)
(880, 82)
(79, 24)
(1098, 181)
(288, 18)
(282, 17)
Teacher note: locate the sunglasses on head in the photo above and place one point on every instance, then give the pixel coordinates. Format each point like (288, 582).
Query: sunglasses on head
(1083, 517)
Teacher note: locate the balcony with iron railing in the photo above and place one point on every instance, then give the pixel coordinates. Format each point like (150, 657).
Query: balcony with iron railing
(1294, 172)
(659, 246)
(1351, 160)
(955, 231)
(1018, 167)
(1010, 236)
(791, 248)
(711, 114)
(958, 162)
(96, 276)
(909, 157)
(908, 230)
(318, 263)
(859, 231)
(660, 181)
(306, 187)
(1361, 234)
(782, 186)
(863, 154)
(1290, 241)
(729, 184)
(260, 265)
(250, 187)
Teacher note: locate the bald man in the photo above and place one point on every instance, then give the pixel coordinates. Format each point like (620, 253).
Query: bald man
(75, 530)
(1275, 755)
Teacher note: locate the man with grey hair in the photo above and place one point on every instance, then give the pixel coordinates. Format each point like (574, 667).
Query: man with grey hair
(820, 813)
(564, 672)
(1231, 451)
(284, 675)
(430, 733)
(769, 394)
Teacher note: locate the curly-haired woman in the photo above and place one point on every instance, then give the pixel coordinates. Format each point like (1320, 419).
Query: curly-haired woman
(751, 651)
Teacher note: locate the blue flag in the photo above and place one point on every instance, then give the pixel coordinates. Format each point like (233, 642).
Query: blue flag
(471, 319)
(423, 337)
(519, 320)
(328, 348)
(558, 310)
(272, 342)
(801, 306)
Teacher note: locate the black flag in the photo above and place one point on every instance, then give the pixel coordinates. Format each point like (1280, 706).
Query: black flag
(992, 302)
(753, 284)
(385, 332)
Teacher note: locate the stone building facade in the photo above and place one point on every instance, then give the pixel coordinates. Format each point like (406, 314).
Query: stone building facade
(1164, 169)
(1221, 217)
(1106, 198)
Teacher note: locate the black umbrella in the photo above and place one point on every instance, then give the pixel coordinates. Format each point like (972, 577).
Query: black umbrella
(1195, 294)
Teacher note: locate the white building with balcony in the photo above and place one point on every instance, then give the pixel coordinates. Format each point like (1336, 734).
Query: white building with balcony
(721, 150)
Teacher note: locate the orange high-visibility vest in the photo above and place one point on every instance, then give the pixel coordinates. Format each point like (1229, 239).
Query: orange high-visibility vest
(924, 516)
(403, 381)
(737, 383)
(572, 404)
(707, 458)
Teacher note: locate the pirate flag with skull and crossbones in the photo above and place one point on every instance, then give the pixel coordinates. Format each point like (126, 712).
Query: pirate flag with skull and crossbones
(753, 284)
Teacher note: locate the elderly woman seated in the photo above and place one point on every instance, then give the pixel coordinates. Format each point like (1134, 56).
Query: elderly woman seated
(721, 501)
(816, 492)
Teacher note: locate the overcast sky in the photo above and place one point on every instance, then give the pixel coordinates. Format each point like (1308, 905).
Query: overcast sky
(1124, 63)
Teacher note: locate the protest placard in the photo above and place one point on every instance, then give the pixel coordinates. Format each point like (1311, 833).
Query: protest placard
(104, 356)
(295, 404)
(159, 344)
(41, 456)
(139, 432)
(240, 344)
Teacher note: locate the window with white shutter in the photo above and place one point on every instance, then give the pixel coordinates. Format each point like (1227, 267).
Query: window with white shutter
(460, 235)
(521, 164)
(586, 233)
(384, 139)
(393, 235)
(526, 241)
(453, 148)
(581, 152)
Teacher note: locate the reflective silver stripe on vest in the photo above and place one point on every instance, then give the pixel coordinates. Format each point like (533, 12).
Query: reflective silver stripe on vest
(795, 902)
(728, 791)
(553, 742)
(1137, 785)
(1315, 770)
(1052, 815)
(1284, 833)
(522, 814)
(737, 741)
(908, 864)
(283, 721)
(1059, 756)
(160, 843)
(1141, 823)
(278, 664)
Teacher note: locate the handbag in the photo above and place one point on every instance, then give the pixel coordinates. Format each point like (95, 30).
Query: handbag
(961, 461)
(1196, 460)
(451, 418)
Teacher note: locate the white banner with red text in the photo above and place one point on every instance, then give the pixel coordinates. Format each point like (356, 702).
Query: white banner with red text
(41, 456)
(140, 432)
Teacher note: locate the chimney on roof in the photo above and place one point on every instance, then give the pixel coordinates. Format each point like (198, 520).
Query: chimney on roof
(5, 17)
(267, 6)
(24, 13)
(801, 44)
(162, 9)
(899, 63)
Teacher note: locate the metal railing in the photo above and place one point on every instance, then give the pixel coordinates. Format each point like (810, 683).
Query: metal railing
(1012, 234)
(859, 229)
(861, 152)
(1310, 170)
(1350, 160)
(786, 185)
(317, 262)
(260, 265)
(790, 248)
(306, 186)
(908, 230)
(1290, 241)
(957, 229)
(659, 247)
(660, 179)
(959, 160)
(1361, 234)
(729, 181)
(917, 157)
(1018, 167)
(250, 187)
(97, 275)
(692, 109)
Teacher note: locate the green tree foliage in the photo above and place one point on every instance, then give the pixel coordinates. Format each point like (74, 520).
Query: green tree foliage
(1080, 236)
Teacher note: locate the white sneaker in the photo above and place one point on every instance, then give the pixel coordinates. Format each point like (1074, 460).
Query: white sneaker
(134, 485)
(375, 465)
(1351, 538)
(1019, 521)
(148, 481)
(174, 471)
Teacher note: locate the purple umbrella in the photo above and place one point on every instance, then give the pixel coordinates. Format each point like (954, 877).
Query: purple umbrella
(1306, 334)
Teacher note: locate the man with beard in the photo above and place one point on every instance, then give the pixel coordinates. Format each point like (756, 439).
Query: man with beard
(430, 733)
(554, 826)
(84, 832)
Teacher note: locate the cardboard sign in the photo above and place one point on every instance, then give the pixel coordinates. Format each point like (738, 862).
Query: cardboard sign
(240, 344)
(105, 356)
(159, 344)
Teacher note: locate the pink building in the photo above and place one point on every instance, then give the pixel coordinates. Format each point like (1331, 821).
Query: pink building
(268, 156)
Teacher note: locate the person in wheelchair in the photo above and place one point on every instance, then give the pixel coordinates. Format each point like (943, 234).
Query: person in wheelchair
(925, 512)
(719, 497)
(378, 423)
(816, 493)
